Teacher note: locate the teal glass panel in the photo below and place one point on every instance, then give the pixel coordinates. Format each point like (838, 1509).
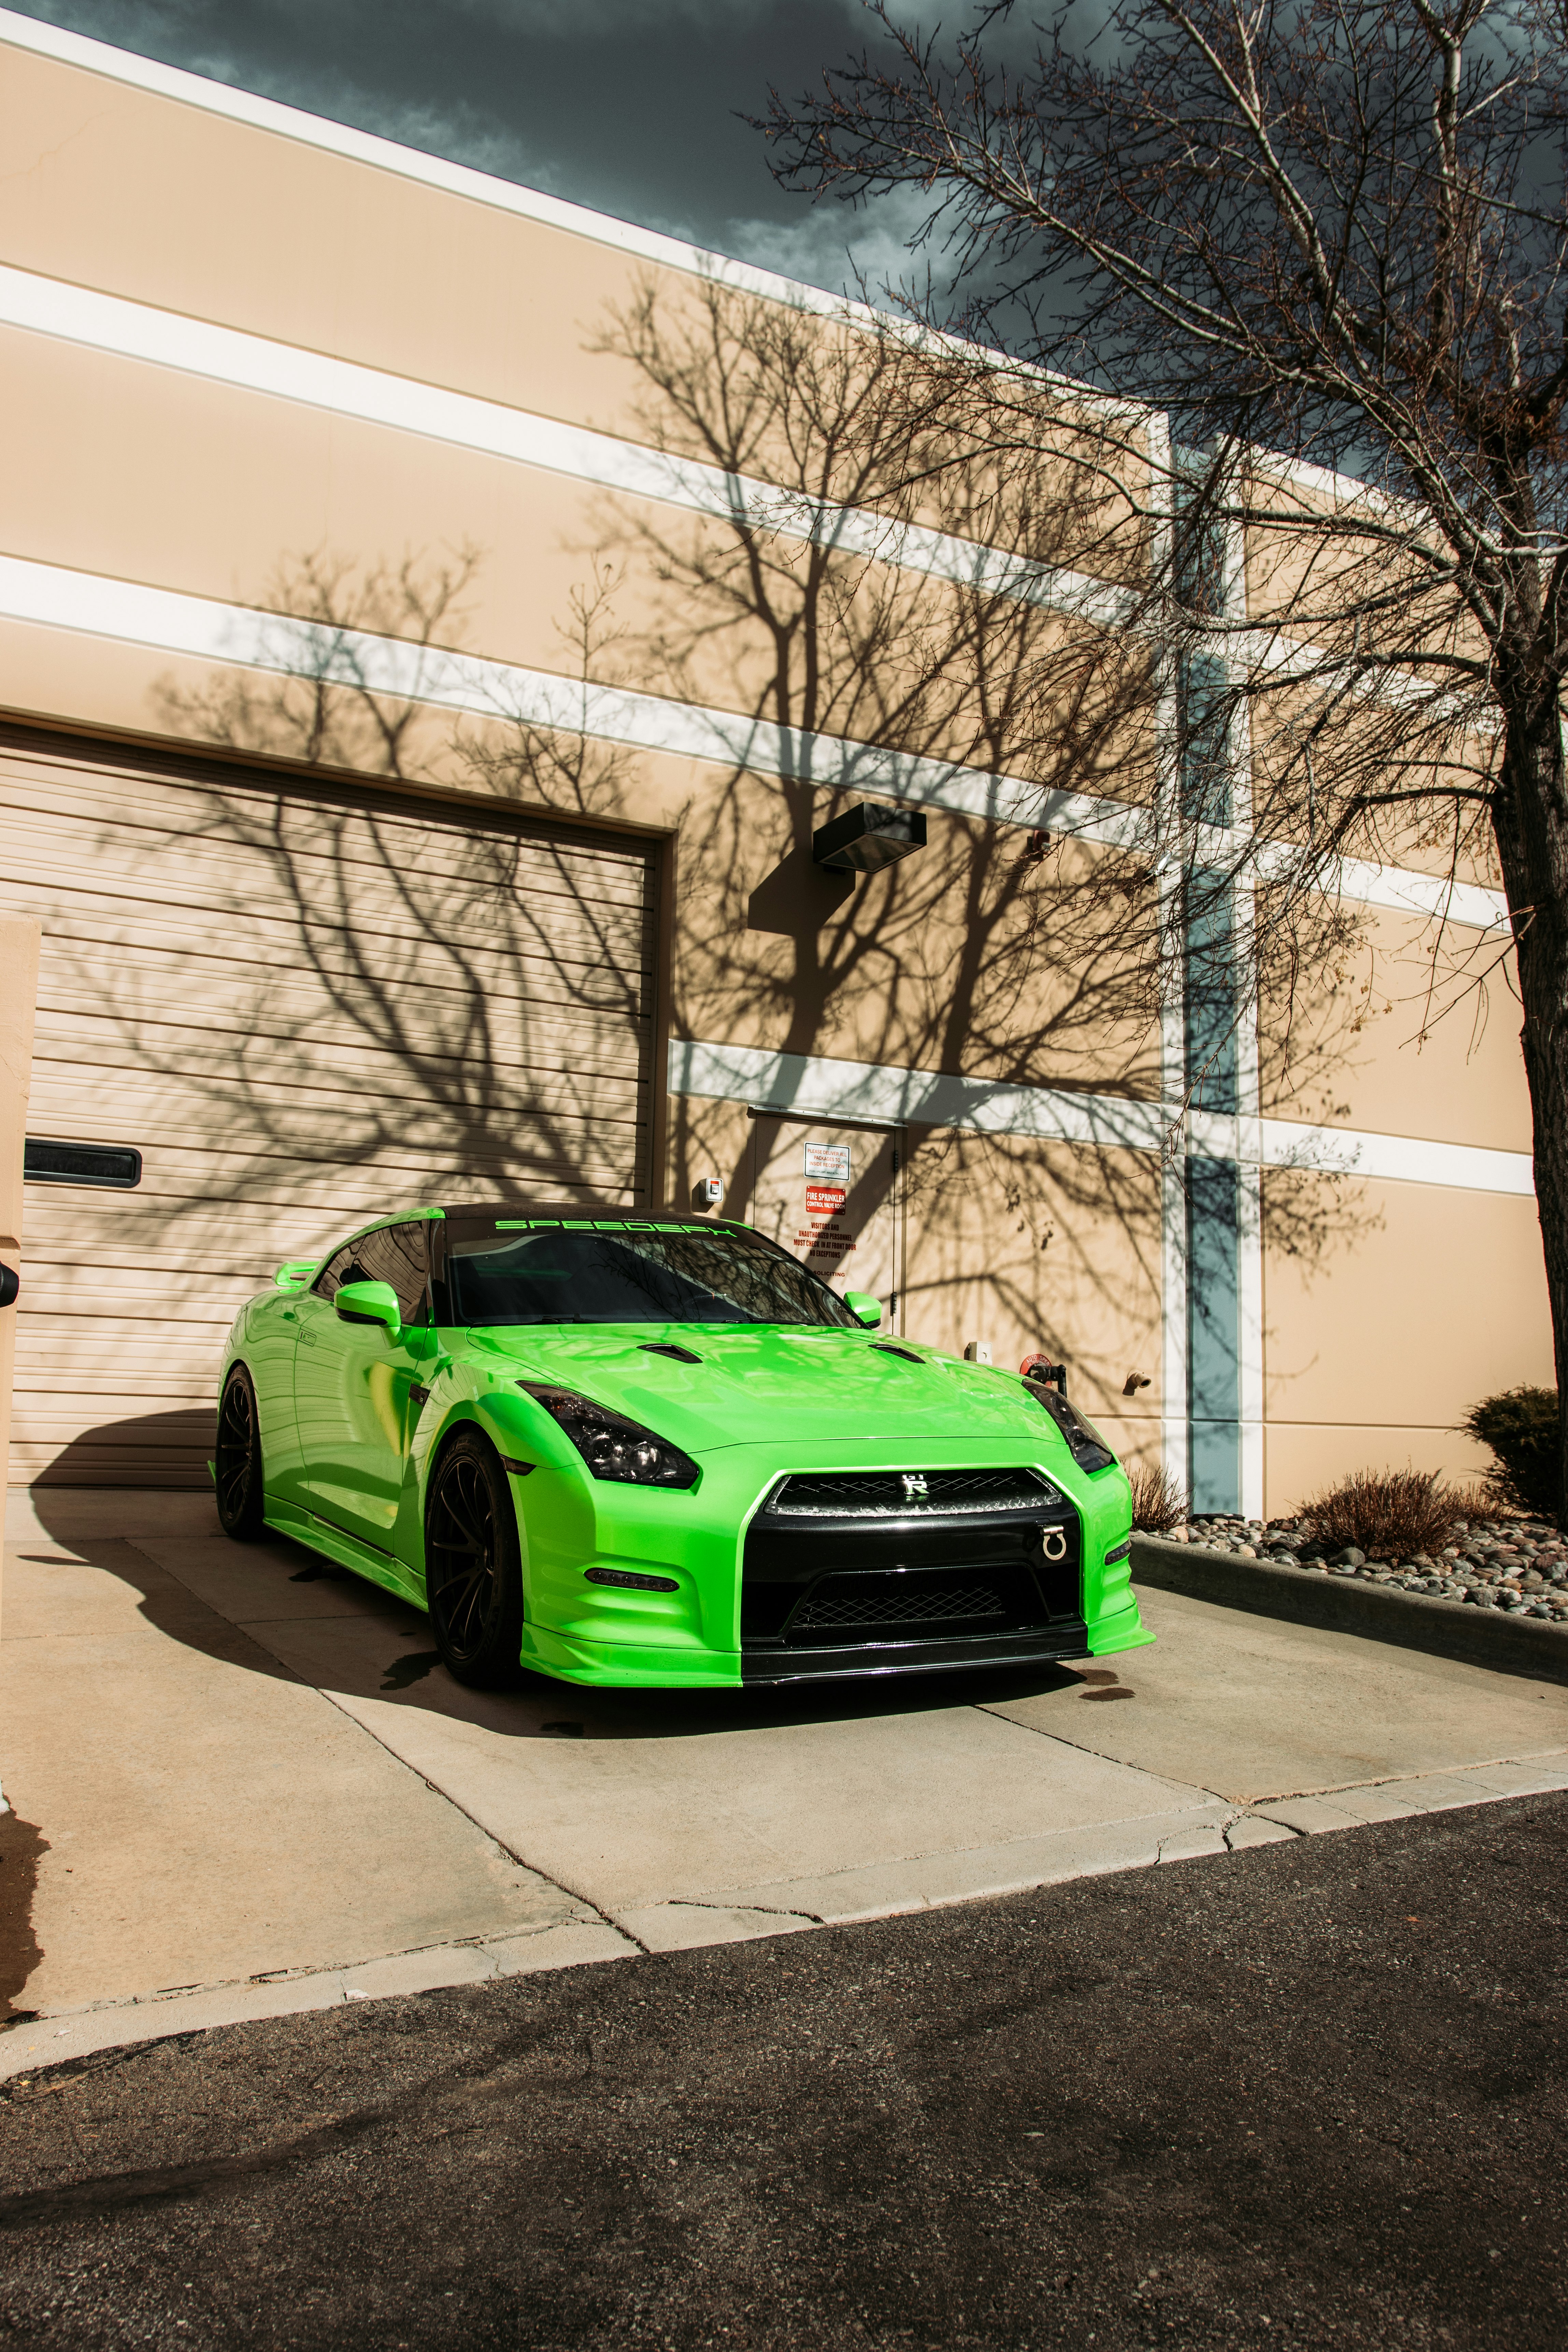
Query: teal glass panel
(1213, 1334)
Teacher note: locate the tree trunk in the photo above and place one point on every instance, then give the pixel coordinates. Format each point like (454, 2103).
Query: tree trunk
(1531, 827)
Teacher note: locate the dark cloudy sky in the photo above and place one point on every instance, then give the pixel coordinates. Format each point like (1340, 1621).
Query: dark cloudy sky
(626, 105)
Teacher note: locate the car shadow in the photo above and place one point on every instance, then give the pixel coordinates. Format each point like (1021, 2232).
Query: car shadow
(275, 1608)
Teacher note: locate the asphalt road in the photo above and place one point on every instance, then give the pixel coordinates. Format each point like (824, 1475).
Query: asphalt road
(1308, 2094)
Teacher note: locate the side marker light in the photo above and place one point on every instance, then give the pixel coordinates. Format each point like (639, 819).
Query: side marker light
(629, 1582)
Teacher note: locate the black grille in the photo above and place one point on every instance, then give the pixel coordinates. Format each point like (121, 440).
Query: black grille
(883, 1494)
(887, 1604)
(868, 1580)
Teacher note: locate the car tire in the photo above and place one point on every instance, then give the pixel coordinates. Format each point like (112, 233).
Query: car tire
(473, 1567)
(237, 1460)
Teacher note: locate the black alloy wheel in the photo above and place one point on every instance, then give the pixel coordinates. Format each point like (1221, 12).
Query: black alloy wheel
(236, 1459)
(473, 1575)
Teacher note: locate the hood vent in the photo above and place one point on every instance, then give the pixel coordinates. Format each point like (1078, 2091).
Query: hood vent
(667, 1348)
(886, 1348)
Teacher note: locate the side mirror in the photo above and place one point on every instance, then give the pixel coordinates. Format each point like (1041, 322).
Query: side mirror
(295, 1275)
(10, 1284)
(370, 1302)
(864, 1308)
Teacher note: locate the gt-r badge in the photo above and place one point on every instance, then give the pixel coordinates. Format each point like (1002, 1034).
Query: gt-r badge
(914, 1486)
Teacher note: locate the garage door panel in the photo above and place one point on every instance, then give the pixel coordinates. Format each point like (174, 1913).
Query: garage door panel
(434, 906)
(316, 1197)
(430, 907)
(304, 1012)
(260, 956)
(416, 1067)
(241, 1101)
(150, 814)
(315, 1202)
(430, 1020)
(166, 888)
(399, 1168)
(527, 955)
(147, 1359)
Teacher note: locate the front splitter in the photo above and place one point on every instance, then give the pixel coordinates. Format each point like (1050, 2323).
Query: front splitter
(1040, 1646)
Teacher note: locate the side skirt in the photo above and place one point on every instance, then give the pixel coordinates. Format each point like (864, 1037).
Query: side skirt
(348, 1551)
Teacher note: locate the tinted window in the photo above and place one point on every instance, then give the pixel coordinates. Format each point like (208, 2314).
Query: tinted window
(343, 1267)
(609, 1274)
(397, 1254)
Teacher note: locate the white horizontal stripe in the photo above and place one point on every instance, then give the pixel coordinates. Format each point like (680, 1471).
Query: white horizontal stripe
(211, 630)
(1407, 1160)
(827, 1089)
(1391, 886)
(226, 355)
(833, 1089)
(208, 630)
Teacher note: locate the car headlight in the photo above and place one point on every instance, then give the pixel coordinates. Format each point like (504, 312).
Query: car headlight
(612, 1446)
(1085, 1444)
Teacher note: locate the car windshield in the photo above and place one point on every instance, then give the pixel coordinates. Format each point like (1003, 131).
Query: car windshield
(621, 1275)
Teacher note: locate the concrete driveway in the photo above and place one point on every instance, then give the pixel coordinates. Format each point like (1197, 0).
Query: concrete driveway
(245, 1785)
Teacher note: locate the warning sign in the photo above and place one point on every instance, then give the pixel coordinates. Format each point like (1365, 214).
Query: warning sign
(824, 1242)
(830, 1161)
(825, 1200)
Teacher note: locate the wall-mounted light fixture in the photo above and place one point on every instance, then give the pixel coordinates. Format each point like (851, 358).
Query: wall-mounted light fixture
(865, 839)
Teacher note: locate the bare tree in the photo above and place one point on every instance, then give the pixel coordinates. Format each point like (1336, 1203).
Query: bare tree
(1314, 236)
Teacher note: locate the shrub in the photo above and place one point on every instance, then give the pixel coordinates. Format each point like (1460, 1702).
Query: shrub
(1158, 1503)
(1387, 1514)
(1521, 1427)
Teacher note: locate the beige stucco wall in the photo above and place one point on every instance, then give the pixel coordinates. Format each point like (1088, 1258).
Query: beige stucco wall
(1388, 1310)
(962, 960)
(19, 940)
(1419, 1037)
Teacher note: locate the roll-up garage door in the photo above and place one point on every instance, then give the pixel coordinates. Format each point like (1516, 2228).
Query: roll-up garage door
(302, 1008)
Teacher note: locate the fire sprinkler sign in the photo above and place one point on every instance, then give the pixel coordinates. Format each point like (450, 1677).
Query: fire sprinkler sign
(829, 1161)
(825, 1200)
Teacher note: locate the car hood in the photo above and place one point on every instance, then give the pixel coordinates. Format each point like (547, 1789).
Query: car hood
(760, 1384)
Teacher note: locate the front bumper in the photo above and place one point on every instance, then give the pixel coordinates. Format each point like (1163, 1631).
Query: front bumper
(757, 1602)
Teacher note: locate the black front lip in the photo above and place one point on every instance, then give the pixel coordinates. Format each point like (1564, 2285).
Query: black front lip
(858, 1660)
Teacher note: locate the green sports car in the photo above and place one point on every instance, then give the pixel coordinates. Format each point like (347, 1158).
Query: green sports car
(659, 1450)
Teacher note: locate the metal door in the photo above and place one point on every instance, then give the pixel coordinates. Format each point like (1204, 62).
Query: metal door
(831, 1195)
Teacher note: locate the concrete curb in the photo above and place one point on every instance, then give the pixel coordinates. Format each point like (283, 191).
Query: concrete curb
(1346, 1604)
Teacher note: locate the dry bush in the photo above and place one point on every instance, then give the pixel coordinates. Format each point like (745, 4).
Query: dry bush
(1387, 1514)
(1158, 1503)
(1479, 1502)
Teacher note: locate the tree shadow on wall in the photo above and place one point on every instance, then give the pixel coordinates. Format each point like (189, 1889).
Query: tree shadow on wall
(1018, 957)
(413, 961)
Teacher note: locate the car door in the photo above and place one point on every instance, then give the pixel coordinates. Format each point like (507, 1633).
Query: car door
(358, 1391)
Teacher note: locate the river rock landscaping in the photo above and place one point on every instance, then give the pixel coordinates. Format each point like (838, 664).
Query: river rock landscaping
(1520, 1565)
